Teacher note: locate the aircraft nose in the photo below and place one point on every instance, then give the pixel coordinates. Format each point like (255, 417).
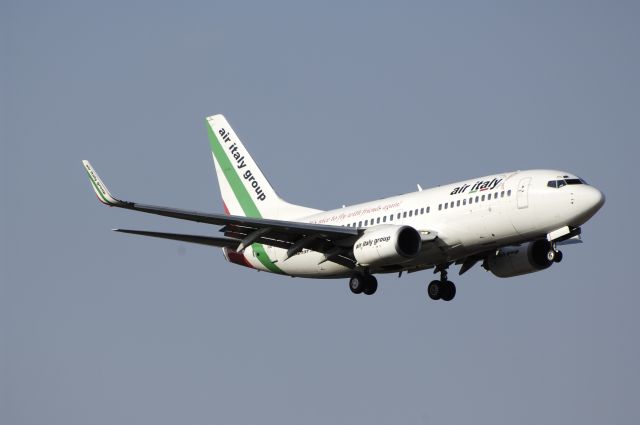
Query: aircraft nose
(593, 199)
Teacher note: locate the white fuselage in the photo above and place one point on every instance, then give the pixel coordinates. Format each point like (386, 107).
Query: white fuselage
(469, 217)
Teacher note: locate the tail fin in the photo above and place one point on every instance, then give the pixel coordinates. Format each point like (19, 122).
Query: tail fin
(245, 190)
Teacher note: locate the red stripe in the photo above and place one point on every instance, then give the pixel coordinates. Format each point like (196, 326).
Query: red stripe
(238, 258)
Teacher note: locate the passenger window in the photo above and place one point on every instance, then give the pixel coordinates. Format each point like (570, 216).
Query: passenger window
(384, 219)
(398, 216)
(509, 192)
(421, 211)
(470, 200)
(446, 205)
(464, 201)
(482, 199)
(415, 212)
(451, 204)
(391, 217)
(410, 213)
(360, 224)
(477, 199)
(439, 207)
(378, 220)
(366, 222)
(458, 203)
(404, 214)
(502, 194)
(428, 209)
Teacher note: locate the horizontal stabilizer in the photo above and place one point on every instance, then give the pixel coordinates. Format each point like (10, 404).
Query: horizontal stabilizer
(202, 240)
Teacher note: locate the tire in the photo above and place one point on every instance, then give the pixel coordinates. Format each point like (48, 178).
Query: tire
(357, 284)
(551, 255)
(434, 290)
(558, 257)
(371, 285)
(448, 291)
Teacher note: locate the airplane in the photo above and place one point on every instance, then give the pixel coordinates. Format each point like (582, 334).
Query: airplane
(512, 223)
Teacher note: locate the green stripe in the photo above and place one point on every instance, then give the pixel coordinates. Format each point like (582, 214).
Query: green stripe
(97, 190)
(244, 199)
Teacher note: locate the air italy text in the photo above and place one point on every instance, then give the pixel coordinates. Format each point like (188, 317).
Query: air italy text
(240, 163)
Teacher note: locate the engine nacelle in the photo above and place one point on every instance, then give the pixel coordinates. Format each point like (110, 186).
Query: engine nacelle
(387, 244)
(516, 260)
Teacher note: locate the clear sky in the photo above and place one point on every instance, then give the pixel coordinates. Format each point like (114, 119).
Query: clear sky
(339, 103)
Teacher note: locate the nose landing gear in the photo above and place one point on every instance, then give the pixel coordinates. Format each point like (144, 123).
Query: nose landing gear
(442, 289)
(554, 255)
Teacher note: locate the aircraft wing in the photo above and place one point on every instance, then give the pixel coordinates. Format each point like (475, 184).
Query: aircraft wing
(334, 241)
(202, 240)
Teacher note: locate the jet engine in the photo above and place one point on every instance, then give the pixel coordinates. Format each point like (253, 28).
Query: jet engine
(387, 244)
(517, 260)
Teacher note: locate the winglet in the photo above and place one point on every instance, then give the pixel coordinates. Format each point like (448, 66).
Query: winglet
(99, 187)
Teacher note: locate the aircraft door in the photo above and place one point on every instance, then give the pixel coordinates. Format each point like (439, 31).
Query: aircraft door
(522, 196)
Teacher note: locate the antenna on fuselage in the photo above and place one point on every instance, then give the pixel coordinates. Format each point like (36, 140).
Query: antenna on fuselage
(419, 187)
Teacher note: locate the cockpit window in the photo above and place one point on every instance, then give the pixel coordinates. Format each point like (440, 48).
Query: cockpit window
(557, 183)
(565, 181)
(574, 181)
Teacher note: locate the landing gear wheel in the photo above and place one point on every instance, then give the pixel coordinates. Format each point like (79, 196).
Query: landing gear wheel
(551, 255)
(371, 285)
(434, 290)
(357, 284)
(558, 256)
(447, 290)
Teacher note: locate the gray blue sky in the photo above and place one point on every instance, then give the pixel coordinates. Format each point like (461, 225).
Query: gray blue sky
(339, 103)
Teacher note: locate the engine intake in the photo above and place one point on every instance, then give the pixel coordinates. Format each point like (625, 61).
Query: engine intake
(518, 260)
(387, 244)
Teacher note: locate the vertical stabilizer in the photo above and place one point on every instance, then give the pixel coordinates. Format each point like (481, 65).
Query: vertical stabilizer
(244, 188)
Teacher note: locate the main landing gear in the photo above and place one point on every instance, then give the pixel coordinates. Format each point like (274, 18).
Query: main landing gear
(442, 289)
(363, 284)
